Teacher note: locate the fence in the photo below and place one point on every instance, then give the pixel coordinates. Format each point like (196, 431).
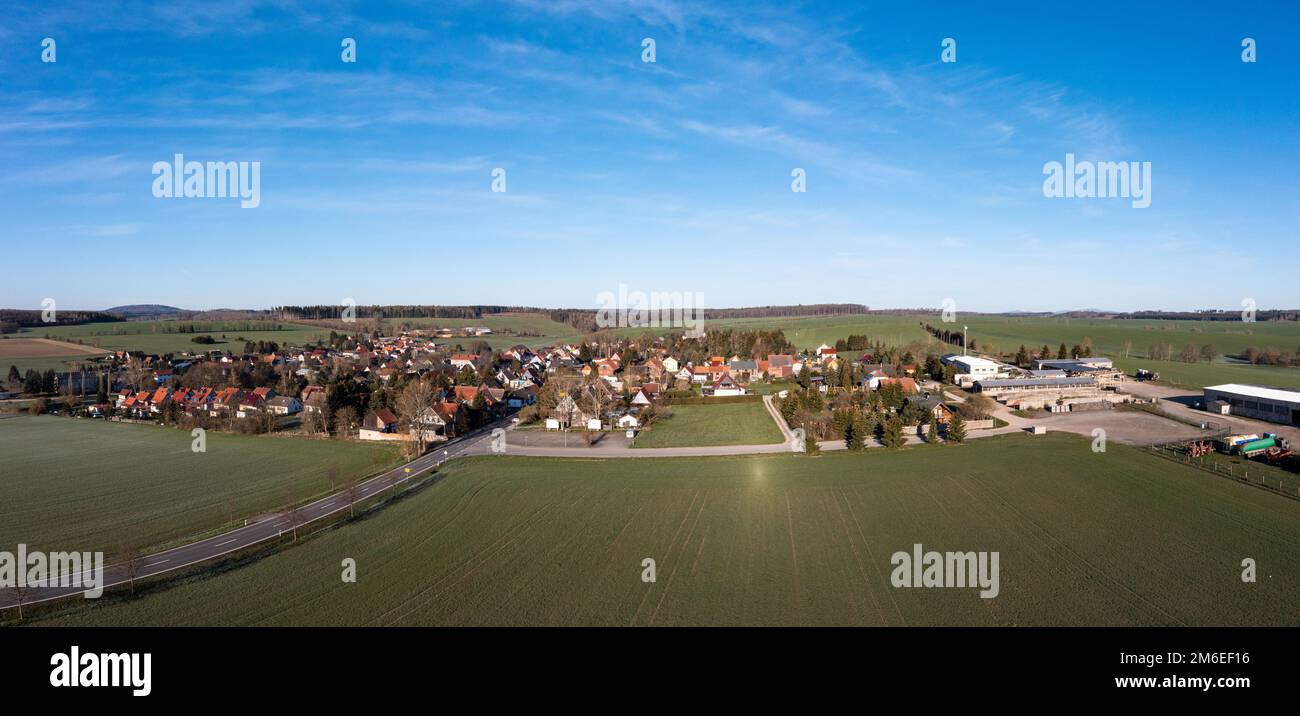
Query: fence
(1259, 475)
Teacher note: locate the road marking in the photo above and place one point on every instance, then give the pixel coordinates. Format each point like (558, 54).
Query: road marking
(226, 542)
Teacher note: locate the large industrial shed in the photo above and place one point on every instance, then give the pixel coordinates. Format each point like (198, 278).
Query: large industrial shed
(1275, 405)
(1017, 385)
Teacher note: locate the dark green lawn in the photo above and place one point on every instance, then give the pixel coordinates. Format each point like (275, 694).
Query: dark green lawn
(700, 425)
(1084, 538)
(89, 484)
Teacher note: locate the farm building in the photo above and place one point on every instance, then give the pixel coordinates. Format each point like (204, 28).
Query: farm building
(1276, 405)
(1075, 365)
(1102, 369)
(971, 369)
(1000, 386)
(1057, 394)
(971, 365)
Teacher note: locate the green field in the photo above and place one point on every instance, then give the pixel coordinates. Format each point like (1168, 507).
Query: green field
(89, 484)
(1199, 375)
(506, 327)
(1084, 538)
(155, 336)
(1005, 334)
(1008, 333)
(807, 333)
(699, 425)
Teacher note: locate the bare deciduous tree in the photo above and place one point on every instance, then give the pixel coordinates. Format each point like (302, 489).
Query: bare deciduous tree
(291, 513)
(18, 593)
(352, 493)
(414, 408)
(132, 561)
(345, 420)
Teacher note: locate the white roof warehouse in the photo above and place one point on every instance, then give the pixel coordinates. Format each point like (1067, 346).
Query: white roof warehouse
(1277, 405)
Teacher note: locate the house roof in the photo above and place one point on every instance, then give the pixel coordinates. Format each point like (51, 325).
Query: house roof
(1259, 391)
(1034, 382)
(908, 385)
(385, 415)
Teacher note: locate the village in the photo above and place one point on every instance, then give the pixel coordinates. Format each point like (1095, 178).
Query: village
(418, 388)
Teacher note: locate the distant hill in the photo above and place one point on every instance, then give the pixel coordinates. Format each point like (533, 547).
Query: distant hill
(147, 310)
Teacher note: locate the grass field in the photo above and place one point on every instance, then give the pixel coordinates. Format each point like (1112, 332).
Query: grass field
(547, 332)
(1005, 334)
(1084, 539)
(1199, 375)
(156, 336)
(28, 353)
(698, 425)
(83, 484)
(1108, 336)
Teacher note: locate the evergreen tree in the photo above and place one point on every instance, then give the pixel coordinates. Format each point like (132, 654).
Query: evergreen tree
(857, 437)
(480, 411)
(14, 376)
(789, 406)
(933, 436)
(892, 437)
(1022, 356)
(842, 423)
(956, 429)
(846, 374)
(933, 367)
(1060, 352)
(805, 376)
(812, 400)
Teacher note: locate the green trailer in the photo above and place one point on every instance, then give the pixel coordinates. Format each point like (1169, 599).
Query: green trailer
(1254, 447)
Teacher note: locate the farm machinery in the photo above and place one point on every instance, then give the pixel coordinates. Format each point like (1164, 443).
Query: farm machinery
(1270, 447)
(1201, 448)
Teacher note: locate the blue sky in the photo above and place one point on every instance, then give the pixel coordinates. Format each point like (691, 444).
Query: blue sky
(924, 179)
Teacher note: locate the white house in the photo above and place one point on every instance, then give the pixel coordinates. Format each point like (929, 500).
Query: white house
(284, 405)
(628, 421)
(724, 386)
